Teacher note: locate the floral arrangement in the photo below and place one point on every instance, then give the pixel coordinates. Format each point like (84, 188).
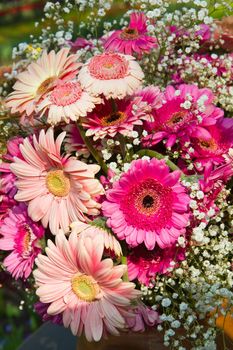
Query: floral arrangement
(117, 165)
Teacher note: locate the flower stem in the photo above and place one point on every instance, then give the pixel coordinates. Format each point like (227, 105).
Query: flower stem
(125, 277)
(154, 154)
(92, 150)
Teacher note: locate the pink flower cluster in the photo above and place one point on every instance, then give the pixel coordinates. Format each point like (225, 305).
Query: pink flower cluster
(100, 201)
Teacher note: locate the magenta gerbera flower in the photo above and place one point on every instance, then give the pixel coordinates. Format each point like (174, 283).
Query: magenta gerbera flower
(148, 204)
(21, 236)
(186, 111)
(7, 178)
(104, 121)
(144, 265)
(59, 189)
(133, 39)
(211, 150)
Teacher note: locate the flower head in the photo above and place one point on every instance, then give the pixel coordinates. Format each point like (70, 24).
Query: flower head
(97, 227)
(133, 39)
(59, 189)
(112, 75)
(144, 265)
(185, 112)
(39, 78)
(87, 289)
(67, 101)
(148, 204)
(105, 121)
(7, 178)
(21, 236)
(212, 150)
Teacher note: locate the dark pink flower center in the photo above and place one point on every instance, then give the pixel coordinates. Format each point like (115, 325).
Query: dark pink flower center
(129, 34)
(172, 117)
(108, 66)
(148, 205)
(66, 94)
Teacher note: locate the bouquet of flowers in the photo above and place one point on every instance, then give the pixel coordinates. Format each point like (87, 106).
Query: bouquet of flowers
(117, 165)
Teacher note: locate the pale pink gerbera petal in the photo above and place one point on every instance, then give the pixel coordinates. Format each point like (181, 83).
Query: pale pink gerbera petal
(39, 78)
(133, 39)
(67, 101)
(148, 204)
(96, 228)
(87, 290)
(59, 189)
(112, 75)
(20, 235)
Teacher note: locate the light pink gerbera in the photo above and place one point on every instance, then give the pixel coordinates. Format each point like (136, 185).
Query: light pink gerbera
(39, 78)
(88, 291)
(104, 121)
(112, 75)
(148, 204)
(133, 39)
(96, 228)
(185, 112)
(21, 236)
(59, 189)
(67, 101)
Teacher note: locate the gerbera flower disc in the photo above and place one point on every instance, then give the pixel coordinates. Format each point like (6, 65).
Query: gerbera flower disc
(20, 235)
(87, 289)
(59, 189)
(148, 204)
(112, 75)
(133, 39)
(67, 101)
(39, 78)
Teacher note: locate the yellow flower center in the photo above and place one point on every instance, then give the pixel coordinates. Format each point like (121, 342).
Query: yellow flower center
(58, 183)
(45, 86)
(85, 287)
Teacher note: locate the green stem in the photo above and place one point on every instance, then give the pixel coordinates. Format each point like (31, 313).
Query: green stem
(91, 149)
(154, 154)
(124, 262)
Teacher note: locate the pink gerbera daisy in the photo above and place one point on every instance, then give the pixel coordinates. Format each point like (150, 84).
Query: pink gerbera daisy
(144, 265)
(96, 228)
(212, 150)
(21, 236)
(148, 204)
(59, 189)
(106, 121)
(39, 78)
(89, 291)
(133, 39)
(73, 141)
(67, 101)
(186, 111)
(112, 75)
